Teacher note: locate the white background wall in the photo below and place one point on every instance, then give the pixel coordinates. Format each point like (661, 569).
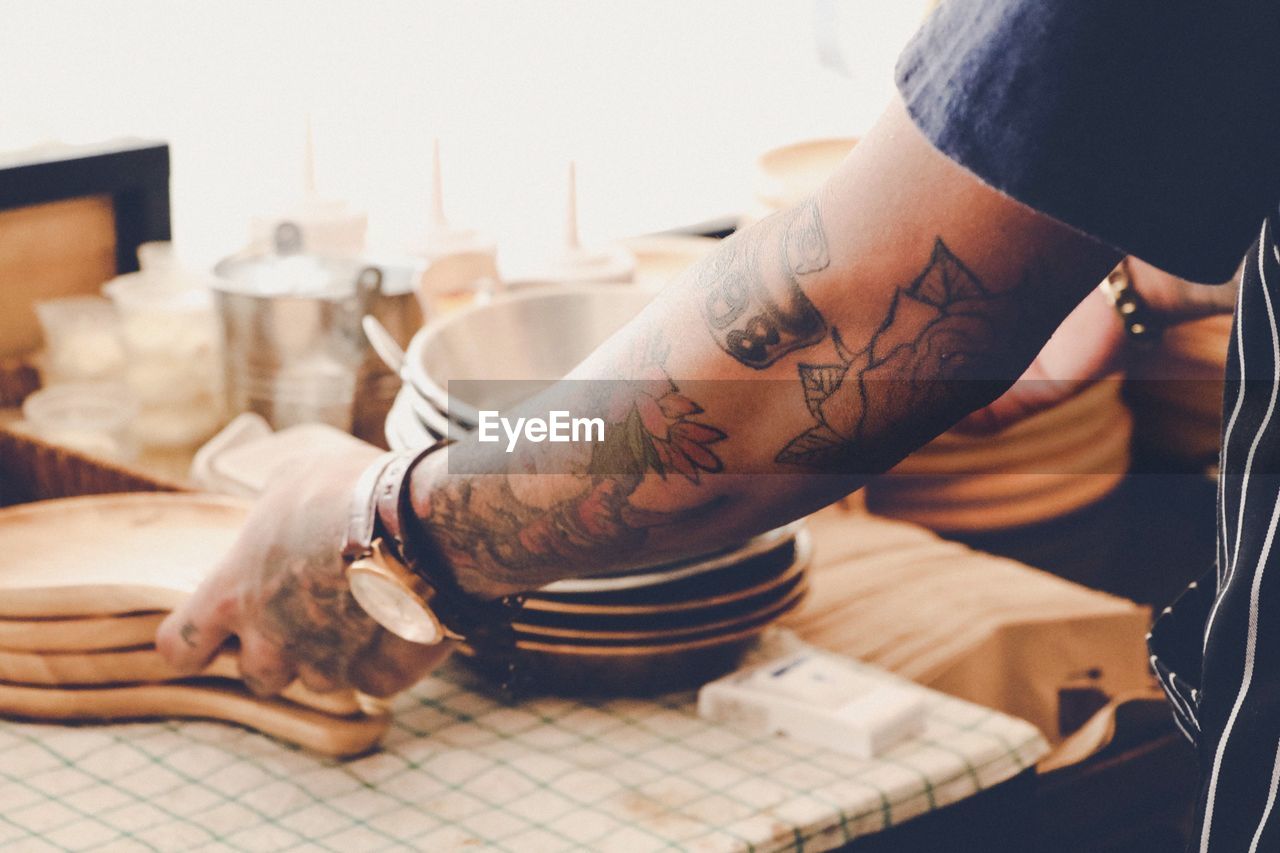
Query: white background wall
(663, 103)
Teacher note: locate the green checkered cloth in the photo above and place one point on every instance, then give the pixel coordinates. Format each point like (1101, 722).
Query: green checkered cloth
(461, 769)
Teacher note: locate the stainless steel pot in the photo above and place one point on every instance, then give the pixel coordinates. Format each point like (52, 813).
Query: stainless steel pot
(297, 354)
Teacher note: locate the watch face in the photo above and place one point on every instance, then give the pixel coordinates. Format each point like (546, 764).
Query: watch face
(393, 606)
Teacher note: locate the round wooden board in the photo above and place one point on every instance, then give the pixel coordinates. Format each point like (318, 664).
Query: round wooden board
(1105, 449)
(99, 669)
(90, 634)
(318, 732)
(111, 554)
(1055, 495)
(981, 455)
(991, 501)
(1065, 425)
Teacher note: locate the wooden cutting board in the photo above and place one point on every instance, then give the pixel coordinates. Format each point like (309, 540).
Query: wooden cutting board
(313, 730)
(111, 554)
(71, 568)
(92, 634)
(981, 627)
(97, 669)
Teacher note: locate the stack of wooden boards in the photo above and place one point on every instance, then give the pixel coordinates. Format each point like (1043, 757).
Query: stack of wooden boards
(84, 582)
(1176, 391)
(1052, 463)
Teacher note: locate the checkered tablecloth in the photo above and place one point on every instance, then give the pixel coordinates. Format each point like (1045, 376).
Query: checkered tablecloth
(463, 770)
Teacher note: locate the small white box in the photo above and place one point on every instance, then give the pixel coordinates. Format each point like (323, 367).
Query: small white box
(819, 698)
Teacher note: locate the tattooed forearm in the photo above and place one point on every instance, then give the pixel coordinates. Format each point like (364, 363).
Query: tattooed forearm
(868, 402)
(752, 301)
(893, 336)
(486, 528)
(941, 336)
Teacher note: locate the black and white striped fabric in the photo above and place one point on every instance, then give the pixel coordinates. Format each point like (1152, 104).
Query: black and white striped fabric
(1217, 650)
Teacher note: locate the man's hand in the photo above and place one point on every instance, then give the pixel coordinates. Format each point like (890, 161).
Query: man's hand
(1089, 345)
(282, 591)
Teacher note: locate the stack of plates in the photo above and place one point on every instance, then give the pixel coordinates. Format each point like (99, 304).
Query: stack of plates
(85, 583)
(653, 628)
(1176, 391)
(657, 629)
(1050, 464)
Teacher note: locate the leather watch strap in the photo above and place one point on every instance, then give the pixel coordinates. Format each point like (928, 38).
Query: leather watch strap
(390, 489)
(380, 503)
(362, 516)
(377, 497)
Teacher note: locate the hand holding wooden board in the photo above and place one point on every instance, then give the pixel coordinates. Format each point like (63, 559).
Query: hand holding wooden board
(84, 582)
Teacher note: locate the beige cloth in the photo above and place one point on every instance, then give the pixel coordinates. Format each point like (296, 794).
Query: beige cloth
(979, 627)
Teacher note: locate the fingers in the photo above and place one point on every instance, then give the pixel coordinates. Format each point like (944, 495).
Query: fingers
(390, 664)
(313, 679)
(264, 667)
(191, 635)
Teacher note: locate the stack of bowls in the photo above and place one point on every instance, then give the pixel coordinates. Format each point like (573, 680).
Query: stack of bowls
(493, 355)
(653, 628)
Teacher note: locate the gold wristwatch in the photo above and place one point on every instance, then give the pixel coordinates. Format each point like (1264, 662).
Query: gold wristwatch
(381, 577)
(399, 577)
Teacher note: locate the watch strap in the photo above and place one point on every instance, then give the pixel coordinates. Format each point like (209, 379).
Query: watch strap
(391, 488)
(484, 623)
(380, 505)
(362, 516)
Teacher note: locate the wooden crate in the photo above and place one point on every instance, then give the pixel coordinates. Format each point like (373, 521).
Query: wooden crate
(71, 218)
(32, 469)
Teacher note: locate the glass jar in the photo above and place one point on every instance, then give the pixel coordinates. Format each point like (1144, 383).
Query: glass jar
(172, 357)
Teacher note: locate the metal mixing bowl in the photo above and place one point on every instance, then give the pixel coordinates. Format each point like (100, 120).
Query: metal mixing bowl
(404, 430)
(537, 336)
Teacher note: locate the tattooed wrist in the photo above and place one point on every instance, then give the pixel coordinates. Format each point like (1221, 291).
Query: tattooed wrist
(499, 538)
